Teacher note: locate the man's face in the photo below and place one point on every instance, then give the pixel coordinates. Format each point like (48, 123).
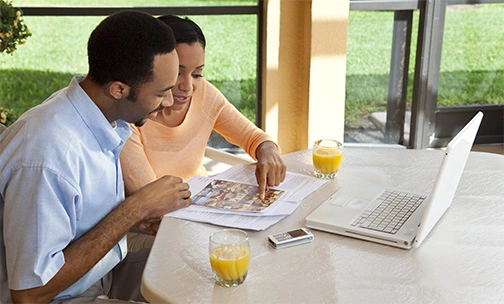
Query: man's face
(151, 97)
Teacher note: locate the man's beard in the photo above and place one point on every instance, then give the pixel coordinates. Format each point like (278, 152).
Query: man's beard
(141, 122)
(133, 98)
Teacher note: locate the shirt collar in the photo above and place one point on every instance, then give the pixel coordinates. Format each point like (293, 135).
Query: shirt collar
(108, 138)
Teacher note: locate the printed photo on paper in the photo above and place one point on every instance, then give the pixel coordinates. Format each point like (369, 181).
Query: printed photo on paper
(235, 196)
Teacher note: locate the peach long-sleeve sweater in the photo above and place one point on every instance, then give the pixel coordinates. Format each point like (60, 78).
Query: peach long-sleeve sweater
(155, 149)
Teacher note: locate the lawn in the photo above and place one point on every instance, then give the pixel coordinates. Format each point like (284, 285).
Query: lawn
(472, 68)
(472, 65)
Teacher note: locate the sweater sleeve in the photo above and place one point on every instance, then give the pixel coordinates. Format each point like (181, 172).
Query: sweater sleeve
(137, 170)
(237, 129)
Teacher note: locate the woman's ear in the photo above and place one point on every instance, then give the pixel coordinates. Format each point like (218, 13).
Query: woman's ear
(119, 90)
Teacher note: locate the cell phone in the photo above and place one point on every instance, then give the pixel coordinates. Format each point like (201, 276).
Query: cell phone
(290, 238)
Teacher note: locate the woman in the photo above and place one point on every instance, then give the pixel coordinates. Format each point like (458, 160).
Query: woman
(174, 141)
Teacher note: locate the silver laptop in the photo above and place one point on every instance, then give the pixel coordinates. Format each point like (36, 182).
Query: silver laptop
(396, 218)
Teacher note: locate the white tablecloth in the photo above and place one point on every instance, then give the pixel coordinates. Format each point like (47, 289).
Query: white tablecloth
(462, 261)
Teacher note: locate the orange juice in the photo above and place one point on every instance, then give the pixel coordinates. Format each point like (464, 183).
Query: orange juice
(230, 262)
(327, 160)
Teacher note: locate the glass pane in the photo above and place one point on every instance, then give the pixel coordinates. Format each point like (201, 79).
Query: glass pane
(367, 76)
(57, 50)
(472, 62)
(125, 3)
(231, 58)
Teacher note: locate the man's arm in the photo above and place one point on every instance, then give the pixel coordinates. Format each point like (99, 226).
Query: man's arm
(152, 201)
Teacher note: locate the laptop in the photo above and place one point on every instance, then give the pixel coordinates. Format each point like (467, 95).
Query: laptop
(395, 217)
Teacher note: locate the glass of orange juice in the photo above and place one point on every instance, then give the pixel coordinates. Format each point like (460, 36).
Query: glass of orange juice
(229, 256)
(327, 155)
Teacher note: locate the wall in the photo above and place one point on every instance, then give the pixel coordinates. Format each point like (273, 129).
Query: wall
(304, 68)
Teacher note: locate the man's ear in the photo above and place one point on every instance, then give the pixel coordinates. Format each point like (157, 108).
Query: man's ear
(119, 90)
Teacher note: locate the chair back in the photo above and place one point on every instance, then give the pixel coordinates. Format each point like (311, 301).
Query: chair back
(2, 128)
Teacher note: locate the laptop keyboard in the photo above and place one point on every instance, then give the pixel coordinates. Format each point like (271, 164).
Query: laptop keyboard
(389, 211)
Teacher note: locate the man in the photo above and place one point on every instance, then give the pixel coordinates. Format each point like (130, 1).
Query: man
(63, 214)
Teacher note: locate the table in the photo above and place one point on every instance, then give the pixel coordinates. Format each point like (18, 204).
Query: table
(462, 261)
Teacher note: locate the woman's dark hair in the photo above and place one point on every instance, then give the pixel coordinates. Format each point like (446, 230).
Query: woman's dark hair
(122, 47)
(184, 29)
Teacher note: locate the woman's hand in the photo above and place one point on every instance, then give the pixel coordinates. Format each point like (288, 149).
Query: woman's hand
(270, 168)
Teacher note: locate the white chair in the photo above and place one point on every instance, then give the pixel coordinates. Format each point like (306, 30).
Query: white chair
(217, 161)
(227, 158)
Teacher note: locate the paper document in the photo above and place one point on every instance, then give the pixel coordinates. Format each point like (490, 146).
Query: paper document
(231, 198)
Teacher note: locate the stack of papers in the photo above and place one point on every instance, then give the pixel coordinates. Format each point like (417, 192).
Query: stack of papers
(231, 198)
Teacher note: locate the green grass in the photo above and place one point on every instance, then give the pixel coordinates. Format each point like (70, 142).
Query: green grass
(472, 66)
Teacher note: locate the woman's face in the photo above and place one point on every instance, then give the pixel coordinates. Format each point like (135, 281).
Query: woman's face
(191, 64)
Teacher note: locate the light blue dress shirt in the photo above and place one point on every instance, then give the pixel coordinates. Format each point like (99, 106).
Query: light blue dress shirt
(59, 176)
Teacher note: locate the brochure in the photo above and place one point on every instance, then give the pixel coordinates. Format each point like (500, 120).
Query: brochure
(230, 198)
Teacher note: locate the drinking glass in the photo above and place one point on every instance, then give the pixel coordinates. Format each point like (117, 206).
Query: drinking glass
(229, 256)
(327, 155)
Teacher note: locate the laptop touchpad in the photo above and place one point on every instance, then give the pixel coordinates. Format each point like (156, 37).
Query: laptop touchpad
(357, 203)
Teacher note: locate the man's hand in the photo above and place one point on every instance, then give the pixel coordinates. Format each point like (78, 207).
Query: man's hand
(167, 194)
(270, 168)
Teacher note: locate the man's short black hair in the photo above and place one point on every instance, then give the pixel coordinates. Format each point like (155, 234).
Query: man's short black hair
(122, 47)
